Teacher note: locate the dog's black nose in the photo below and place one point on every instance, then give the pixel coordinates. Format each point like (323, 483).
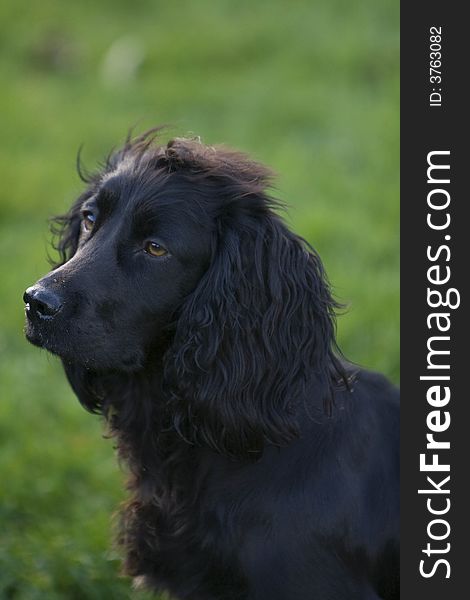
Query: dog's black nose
(41, 302)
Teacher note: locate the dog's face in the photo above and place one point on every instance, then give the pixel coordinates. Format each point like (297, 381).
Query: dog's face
(140, 250)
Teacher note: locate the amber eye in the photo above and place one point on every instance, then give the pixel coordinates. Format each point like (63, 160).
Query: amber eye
(155, 249)
(88, 220)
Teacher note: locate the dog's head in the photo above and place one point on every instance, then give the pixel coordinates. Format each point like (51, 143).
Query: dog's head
(133, 246)
(174, 253)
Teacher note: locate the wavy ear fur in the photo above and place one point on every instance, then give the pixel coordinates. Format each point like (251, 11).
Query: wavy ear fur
(258, 327)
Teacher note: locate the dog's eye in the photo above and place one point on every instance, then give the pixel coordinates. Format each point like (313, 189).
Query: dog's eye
(155, 249)
(88, 220)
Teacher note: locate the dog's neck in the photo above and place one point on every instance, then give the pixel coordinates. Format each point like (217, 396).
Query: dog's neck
(136, 414)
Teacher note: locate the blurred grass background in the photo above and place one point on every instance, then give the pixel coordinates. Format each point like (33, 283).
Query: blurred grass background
(310, 88)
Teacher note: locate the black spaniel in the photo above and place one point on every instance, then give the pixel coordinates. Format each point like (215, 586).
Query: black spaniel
(262, 465)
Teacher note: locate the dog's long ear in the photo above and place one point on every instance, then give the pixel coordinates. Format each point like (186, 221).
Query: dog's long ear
(260, 322)
(66, 231)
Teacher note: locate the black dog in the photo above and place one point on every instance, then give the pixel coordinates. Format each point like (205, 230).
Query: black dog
(262, 466)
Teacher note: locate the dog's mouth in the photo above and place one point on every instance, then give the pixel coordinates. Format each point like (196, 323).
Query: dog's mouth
(78, 349)
(35, 333)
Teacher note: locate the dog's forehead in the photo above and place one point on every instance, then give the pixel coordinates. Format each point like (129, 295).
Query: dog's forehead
(131, 186)
(153, 194)
(128, 180)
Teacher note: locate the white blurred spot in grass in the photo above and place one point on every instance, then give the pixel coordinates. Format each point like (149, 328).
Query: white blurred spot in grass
(122, 61)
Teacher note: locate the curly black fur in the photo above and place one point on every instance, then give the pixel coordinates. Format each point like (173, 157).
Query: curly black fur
(257, 469)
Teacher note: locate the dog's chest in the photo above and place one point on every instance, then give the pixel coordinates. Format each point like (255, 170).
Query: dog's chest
(188, 538)
(191, 554)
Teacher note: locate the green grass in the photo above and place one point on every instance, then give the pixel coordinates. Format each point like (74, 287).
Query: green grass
(310, 88)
